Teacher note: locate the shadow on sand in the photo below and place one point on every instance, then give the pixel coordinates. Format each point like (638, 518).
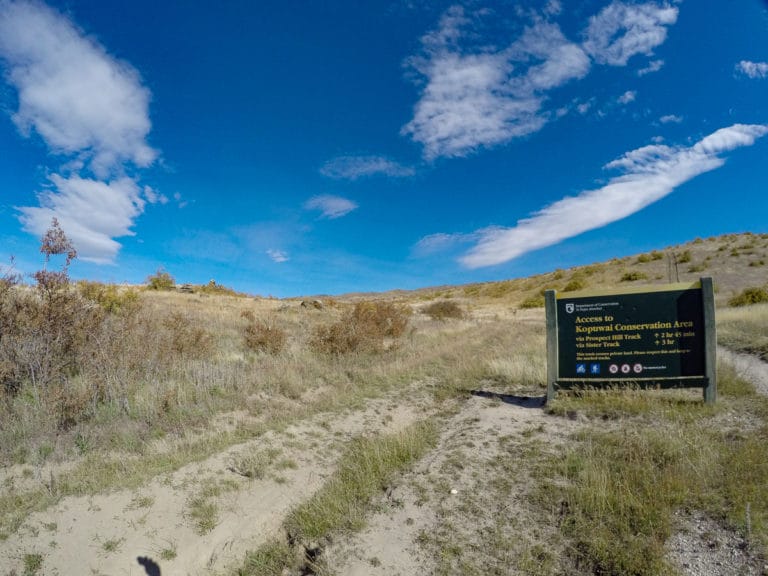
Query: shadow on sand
(150, 566)
(521, 401)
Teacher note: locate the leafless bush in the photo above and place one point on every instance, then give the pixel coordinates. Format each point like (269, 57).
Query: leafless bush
(365, 328)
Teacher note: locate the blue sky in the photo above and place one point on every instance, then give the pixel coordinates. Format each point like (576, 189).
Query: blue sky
(296, 148)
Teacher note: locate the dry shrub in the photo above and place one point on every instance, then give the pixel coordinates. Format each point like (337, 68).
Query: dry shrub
(443, 310)
(533, 301)
(366, 328)
(576, 283)
(109, 297)
(263, 335)
(187, 338)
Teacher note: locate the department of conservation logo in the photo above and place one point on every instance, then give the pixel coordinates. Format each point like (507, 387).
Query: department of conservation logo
(569, 307)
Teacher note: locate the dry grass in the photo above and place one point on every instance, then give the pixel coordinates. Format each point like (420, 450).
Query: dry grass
(744, 329)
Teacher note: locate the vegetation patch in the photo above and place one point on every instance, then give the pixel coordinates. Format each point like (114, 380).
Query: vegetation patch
(365, 470)
(443, 310)
(619, 487)
(366, 328)
(749, 296)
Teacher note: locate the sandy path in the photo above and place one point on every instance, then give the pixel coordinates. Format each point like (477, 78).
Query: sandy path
(104, 534)
(749, 367)
(446, 496)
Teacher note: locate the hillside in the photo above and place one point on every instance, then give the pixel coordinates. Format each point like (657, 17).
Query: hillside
(205, 432)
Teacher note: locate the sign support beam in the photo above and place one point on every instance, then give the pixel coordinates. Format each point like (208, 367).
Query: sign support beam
(710, 340)
(550, 305)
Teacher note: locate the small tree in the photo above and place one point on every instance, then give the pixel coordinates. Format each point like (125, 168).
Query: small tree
(54, 243)
(161, 280)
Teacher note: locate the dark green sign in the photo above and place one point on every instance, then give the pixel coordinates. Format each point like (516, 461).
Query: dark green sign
(648, 335)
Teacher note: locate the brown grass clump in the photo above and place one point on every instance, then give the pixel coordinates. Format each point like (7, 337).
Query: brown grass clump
(263, 335)
(366, 328)
(443, 310)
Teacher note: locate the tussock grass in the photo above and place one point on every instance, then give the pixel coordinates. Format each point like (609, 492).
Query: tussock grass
(744, 329)
(620, 485)
(362, 472)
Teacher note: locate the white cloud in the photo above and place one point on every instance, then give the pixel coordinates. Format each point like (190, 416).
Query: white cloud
(653, 66)
(278, 256)
(621, 31)
(330, 206)
(89, 108)
(440, 242)
(671, 118)
(478, 96)
(650, 173)
(77, 97)
(91, 213)
(753, 69)
(354, 167)
(627, 97)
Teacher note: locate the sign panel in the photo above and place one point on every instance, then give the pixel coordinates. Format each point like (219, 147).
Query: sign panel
(653, 334)
(657, 336)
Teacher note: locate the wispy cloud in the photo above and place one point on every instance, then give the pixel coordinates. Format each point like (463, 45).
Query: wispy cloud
(89, 108)
(671, 119)
(330, 206)
(653, 66)
(441, 242)
(649, 174)
(622, 30)
(479, 96)
(278, 256)
(354, 167)
(627, 97)
(753, 69)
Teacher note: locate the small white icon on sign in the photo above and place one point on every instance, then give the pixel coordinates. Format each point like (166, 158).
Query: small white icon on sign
(569, 307)
(613, 368)
(637, 368)
(625, 368)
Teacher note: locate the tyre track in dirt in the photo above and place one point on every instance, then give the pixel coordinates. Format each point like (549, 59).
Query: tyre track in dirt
(106, 533)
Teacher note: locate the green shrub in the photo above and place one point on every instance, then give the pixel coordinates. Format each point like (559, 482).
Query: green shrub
(108, 296)
(633, 276)
(749, 296)
(444, 309)
(214, 288)
(684, 257)
(161, 280)
(577, 282)
(364, 329)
